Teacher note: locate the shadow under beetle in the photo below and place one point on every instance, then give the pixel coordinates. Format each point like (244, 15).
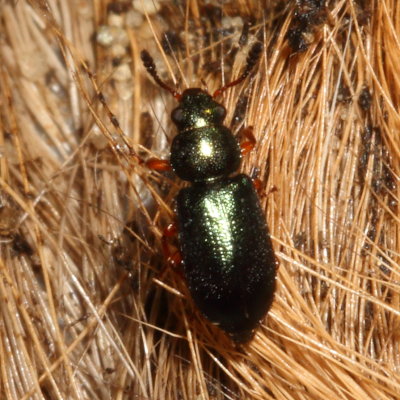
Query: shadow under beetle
(227, 255)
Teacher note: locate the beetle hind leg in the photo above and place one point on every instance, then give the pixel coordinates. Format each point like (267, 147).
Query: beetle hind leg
(174, 258)
(247, 145)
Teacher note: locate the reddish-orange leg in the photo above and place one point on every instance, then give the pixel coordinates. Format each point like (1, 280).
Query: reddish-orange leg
(257, 185)
(173, 258)
(157, 164)
(246, 147)
(249, 144)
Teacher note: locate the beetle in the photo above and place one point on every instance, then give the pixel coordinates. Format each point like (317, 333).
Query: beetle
(227, 255)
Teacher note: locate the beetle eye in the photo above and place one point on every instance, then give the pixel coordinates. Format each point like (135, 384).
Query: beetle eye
(219, 112)
(177, 115)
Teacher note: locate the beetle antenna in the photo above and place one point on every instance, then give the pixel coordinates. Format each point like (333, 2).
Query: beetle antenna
(252, 58)
(148, 63)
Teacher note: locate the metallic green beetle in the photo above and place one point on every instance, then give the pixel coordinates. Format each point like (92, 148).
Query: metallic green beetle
(228, 260)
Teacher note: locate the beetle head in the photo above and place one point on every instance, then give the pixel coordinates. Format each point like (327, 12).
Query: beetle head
(197, 109)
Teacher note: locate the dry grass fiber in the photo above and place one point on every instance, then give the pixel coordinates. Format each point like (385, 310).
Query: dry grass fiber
(86, 311)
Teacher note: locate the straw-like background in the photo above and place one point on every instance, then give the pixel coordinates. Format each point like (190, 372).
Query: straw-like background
(88, 310)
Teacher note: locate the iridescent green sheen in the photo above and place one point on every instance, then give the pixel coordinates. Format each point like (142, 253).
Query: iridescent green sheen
(204, 149)
(228, 259)
(203, 154)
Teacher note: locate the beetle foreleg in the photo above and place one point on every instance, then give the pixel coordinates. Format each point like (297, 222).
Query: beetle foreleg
(157, 164)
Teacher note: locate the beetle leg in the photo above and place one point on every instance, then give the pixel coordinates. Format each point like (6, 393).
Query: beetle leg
(257, 185)
(173, 258)
(251, 141)
(158, 165)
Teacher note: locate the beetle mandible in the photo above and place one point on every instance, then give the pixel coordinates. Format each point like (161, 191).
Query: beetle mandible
(227, 255)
